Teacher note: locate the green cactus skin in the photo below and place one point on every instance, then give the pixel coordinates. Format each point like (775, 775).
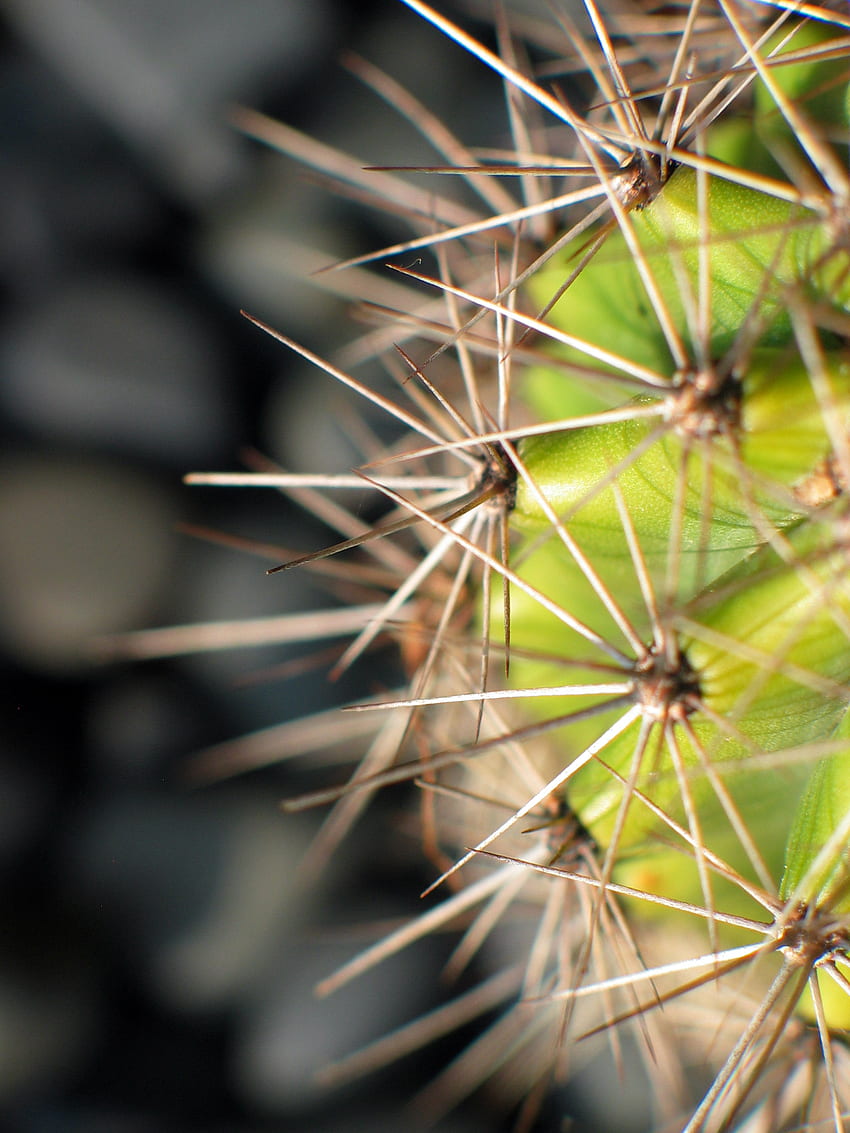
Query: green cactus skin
(817, 869)
(791, 613)
(775, 434)
(823, 809)
(817, 88)
(764, 254)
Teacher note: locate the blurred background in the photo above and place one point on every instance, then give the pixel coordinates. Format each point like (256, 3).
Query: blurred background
(158, 956)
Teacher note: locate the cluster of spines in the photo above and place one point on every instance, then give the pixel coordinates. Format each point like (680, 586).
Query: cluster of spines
(615, 560)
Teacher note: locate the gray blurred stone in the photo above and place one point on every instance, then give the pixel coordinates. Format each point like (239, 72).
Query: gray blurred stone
(84, 549)
(138, 721)
(162, 73)
(202, 890)
(288, 1035)
(65, 182)
(110, 362)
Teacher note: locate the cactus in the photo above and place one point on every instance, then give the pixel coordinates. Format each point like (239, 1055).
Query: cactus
(615, 560)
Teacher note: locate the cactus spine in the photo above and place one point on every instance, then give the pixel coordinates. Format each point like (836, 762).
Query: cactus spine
(616, 559)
